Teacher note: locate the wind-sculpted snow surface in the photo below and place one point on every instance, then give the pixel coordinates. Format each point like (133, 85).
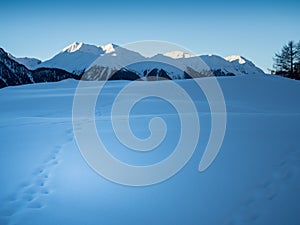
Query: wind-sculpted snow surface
(255, 179)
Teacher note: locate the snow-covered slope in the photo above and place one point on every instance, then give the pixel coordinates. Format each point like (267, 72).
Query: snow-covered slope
(238, 58)
(151, 67)
(243, 65)
(74, 58)
(178, 54)
(234, 64)
(114, 60)
(30, 63)
(116, 57)
(254, 180)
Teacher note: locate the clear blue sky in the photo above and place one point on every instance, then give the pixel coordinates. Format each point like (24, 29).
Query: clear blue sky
(255, 29)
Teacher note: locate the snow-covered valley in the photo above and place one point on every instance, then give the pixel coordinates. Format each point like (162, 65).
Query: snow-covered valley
(255, 179)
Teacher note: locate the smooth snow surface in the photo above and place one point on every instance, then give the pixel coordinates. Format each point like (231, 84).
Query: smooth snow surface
(255, 179)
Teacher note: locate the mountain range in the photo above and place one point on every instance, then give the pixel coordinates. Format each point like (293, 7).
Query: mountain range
(112, 62)
(12, 72)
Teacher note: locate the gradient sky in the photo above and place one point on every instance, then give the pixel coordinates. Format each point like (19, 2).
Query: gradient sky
(255, 29)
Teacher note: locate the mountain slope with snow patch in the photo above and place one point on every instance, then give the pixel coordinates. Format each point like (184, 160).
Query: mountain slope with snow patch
(75, 58)
(30, 63)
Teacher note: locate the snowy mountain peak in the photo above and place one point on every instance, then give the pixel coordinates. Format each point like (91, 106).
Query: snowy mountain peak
(81, 47)
(75, 46)
(178, 54)
(240, 59)
(109, 48)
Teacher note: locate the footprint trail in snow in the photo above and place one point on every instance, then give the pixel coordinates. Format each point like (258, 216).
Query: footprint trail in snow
(31, 194)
